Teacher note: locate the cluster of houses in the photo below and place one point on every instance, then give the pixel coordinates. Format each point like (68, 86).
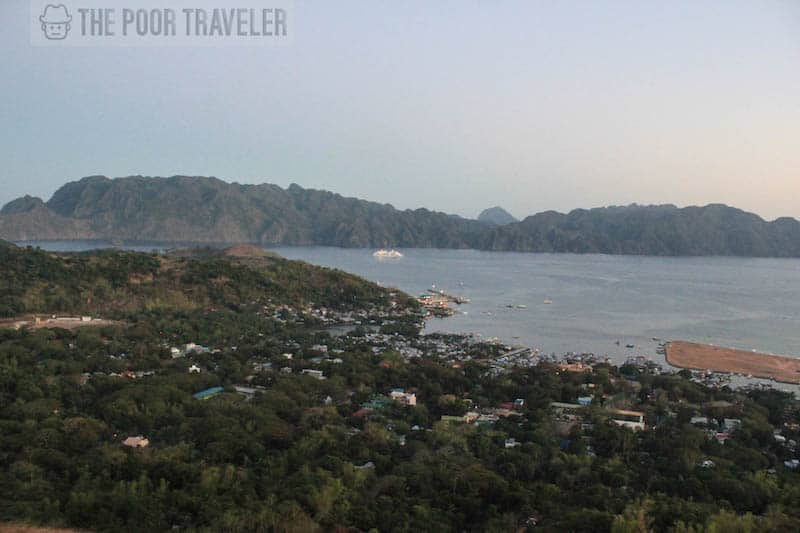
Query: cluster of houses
(84, 378)
(513, 358)
(721, 431)
(380, 343)
(644, 364)
(435, 305)
(188, 349)
(451, 349)
(486, 416)
(324, 316)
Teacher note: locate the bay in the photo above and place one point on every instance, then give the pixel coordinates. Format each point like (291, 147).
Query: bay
(597, 300)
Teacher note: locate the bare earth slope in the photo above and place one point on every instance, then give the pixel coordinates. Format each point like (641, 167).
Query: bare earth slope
(705, 357)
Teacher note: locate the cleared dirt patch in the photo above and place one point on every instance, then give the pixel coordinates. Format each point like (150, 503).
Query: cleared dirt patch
(18, 528)
(247, 250)
(63, 322)
(705, 357)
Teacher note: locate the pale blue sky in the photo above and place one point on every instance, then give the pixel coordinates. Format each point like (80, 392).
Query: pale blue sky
(454, 105)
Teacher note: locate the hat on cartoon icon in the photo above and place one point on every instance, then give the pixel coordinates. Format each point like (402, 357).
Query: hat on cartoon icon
(56, 15)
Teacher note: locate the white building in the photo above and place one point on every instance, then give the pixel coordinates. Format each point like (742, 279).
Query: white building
(630, 419)
(405, 398)
(136, 442)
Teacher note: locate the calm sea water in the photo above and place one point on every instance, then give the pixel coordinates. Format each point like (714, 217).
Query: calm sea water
(597, 300)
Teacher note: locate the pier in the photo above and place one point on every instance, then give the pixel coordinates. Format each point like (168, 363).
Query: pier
(448, 297)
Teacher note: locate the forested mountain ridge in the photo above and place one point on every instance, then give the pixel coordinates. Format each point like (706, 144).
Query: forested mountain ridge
(208, 210)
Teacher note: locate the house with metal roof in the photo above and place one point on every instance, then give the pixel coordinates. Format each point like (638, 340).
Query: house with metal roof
(208, 393)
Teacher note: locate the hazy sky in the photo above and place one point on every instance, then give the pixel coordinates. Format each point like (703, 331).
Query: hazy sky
(455, 106)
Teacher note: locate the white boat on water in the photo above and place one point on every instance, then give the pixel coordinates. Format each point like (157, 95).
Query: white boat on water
(547, 301)
(387, 254)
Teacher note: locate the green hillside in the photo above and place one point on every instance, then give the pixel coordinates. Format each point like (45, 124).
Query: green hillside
(114, 283)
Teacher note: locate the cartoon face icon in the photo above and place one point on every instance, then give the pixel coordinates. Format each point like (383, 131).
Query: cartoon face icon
(55, 22)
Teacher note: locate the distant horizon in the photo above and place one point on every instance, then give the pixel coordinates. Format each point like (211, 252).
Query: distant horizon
(234, 181)
(452, 106)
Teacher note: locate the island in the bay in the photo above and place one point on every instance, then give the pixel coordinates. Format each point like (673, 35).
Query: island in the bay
(233, 390)
(185, 209)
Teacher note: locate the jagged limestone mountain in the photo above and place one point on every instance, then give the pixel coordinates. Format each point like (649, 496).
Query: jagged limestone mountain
(208, 210)
(651, 230)
(496, 216)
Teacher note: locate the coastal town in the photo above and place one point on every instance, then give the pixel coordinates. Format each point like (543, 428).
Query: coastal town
(601, 390)
(334, 383)
(363, 331)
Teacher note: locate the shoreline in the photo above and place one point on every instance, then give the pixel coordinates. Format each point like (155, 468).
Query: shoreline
(166, 245)
(697, 356)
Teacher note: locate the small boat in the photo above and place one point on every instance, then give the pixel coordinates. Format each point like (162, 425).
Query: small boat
(387, 254)
(521, 306)
(630, 346)
(547, 301)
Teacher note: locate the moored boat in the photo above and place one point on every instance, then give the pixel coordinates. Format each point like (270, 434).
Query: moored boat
(387, 254)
